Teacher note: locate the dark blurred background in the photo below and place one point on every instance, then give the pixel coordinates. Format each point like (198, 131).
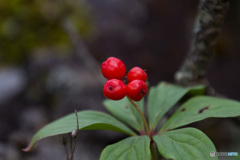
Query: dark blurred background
(50, 56)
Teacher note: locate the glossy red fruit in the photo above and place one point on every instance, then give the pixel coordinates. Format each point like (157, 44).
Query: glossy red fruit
(137, 73)
(113, 68)
(136, 90)
(114, 89)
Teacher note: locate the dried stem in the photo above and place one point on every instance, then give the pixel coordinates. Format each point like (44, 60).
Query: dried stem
(71, 148)
(75, 137)
(64, 142)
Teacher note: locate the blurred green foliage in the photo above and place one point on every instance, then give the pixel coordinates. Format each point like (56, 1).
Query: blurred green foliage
(26, 25)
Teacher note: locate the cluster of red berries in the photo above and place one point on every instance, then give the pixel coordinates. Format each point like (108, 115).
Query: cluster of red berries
(115, 70)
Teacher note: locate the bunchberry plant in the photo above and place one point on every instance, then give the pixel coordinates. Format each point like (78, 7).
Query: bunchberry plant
(115, 89)
(148, 138)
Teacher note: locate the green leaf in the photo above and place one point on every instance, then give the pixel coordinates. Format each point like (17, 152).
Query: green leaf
(133, 148)
(88, 120)
(164, 96)
(202, 107)
(124, 111)
(187, 144)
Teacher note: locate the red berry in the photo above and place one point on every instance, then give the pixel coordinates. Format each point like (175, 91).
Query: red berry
(137, 73)
(114, 89)
(113, 68)
(137, 89)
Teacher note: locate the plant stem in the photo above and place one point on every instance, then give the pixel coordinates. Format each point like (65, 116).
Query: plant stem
(74, 135)
(142, 116)
(153, 151)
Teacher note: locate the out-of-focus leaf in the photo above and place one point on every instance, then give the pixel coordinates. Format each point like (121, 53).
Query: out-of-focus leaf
(163, 97)
(133, 148)
(124, 111)
(202, 107)
(185, 144)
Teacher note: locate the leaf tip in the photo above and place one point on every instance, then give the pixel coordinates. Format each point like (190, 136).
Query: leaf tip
(27, 149)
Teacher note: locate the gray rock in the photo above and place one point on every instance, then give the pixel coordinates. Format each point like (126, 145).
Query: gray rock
(12, 82)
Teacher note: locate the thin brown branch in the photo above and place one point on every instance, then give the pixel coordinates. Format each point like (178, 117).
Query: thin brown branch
(81, 50)
(207, 28)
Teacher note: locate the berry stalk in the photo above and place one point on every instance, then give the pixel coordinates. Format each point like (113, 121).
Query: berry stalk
(142, 116)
